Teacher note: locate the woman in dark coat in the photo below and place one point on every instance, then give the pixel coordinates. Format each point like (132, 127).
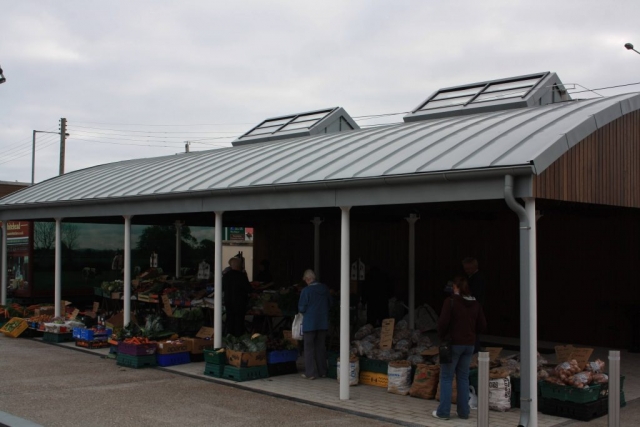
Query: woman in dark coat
(460, 320)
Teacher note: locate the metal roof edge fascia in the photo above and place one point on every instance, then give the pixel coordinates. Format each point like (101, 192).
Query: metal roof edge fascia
(441, 176)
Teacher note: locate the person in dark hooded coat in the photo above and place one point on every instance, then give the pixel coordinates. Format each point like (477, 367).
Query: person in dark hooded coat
(461, 319)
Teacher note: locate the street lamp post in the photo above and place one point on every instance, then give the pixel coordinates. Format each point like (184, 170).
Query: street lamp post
(629, 46)
(33, 154)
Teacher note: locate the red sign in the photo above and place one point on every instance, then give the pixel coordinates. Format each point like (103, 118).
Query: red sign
(16, 229)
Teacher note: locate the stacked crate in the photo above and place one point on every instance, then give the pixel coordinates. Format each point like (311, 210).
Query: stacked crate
(91, 338)
(582, 404)
(172, 353)
(137, 355)
(282, 362)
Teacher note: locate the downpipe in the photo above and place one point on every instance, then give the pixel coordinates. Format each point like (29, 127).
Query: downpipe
(528, 305)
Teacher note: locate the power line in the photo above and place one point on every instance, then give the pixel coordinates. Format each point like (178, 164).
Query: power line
(141, 124)
(159, 137)
(139, 140)
(147, 131)
(123, 143)
(27, 149)
(43, 146)
(22, 141)
(603, 88)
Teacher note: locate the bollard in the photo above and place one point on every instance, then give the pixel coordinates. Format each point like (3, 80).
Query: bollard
(614, 388)
(483, 389)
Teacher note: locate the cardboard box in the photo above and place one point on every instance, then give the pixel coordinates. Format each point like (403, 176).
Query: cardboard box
(271, 309)
(288, 336)
(373, 378)
(241, 359)
(203, 339)
(169, 347)
(386, 336)
(116, 322)
(494, 352)
(48, 311)
(565, 353)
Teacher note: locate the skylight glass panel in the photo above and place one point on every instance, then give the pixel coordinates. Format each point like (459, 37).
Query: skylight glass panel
(528, 83)
(305, 117)
(276, 122)
(457, 93)
(300, 125)
(513, 93)
(261, 131)
(447, 102)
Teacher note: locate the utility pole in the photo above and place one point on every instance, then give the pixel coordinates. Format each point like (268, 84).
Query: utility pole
(63, 137)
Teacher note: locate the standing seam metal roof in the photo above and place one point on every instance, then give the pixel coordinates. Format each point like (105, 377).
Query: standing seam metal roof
(531, 136)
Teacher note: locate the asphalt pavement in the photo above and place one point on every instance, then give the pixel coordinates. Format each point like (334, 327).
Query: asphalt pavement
(52, 386)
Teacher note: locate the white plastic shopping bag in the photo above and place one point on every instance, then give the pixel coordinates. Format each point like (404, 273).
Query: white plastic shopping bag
(296, 328)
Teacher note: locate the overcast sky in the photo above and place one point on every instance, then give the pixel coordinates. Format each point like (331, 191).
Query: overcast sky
(137, 79)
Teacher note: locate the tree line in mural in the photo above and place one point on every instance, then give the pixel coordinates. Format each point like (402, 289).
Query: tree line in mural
(94, 264)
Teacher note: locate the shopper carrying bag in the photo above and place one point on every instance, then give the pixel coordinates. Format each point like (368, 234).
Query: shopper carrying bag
(314, 303)
(461, 318)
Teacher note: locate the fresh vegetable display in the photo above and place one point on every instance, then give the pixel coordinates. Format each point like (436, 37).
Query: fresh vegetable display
(246, 343)
(138, 341)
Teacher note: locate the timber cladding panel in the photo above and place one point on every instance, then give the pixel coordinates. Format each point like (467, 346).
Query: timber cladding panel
(10, 188)
(603, 168)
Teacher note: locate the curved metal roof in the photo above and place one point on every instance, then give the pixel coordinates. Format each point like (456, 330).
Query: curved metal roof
(531, 137)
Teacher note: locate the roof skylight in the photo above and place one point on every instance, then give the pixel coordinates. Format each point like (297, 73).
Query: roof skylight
(327, 120)
(493, 95)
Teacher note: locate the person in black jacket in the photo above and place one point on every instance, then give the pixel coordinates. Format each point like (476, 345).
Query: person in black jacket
(461, 319)
(477, 283)
(236, 289)
(376, 292)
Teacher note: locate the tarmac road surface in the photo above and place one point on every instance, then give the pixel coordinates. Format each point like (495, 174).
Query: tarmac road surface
(53, 386)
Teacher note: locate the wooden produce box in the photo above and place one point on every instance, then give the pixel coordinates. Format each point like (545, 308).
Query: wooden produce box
(241, 359)
(14, 327)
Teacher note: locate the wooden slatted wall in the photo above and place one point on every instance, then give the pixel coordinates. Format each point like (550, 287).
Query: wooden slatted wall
(604, 168)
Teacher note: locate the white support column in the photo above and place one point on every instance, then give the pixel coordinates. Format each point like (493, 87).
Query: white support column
(344, 304)
(58, 269)
(412, 269)
(531, 371)
(614, 388)
(528, 304)
(3, 274)
(217, 283)
(483, 389)
(316, 246)
(127, 269)
(178, 248)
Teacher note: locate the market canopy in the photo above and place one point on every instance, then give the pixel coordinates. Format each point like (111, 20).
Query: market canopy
(442, 159)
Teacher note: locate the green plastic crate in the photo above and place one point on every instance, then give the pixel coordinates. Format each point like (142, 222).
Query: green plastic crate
(473, 379)
(332, 372)
(213, 370)
(57, 338)
(245, 374)
(332, 358)
(136, 362)
(371, 365)
(568, 393)
(211, 356)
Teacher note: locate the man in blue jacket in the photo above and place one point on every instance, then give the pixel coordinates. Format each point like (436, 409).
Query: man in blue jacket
(314, 304)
